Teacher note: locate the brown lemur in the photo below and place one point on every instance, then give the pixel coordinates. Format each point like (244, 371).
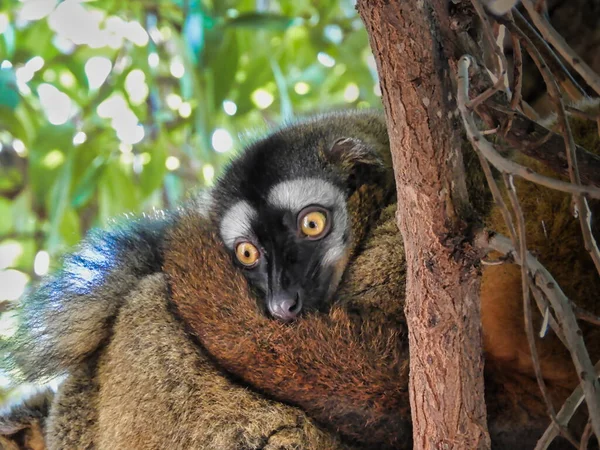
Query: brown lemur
(107, 320)
(347, 368)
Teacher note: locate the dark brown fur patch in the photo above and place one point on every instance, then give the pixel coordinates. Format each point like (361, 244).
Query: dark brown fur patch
(322, 363)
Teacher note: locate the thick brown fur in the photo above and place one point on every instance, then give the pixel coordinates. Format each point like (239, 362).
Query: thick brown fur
(154, 388)
(336, 364)
(323, 363)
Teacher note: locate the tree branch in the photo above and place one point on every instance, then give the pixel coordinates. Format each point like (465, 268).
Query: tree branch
(523, 133)
(564, 314)
(490, 153)
(557, 41)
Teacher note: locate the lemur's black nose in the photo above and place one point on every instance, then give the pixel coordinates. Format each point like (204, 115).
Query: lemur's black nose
(285, 307)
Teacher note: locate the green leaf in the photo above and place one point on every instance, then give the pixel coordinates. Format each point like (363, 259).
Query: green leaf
(58, 202)
(117, 194)
(49, 138)
(287, 110)
(36, 39)
(9, 41)
(28, 124)
(256, 76)
(23, 217)
(69, 227)
(225, 67)
(6, 224)
(9, 93)
(25, 260)
(152, 174)
(85, 188)
(11, 123)
(262, 21)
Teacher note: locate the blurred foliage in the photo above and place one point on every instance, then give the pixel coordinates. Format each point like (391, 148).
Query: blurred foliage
(108, 107)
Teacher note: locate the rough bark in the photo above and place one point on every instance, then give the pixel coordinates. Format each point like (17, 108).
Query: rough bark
(416, 52)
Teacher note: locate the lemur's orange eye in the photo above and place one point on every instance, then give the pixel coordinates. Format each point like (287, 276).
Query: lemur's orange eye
(247, 254)
(313, 222)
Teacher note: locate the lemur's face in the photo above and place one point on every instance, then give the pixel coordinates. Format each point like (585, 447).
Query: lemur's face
(292, 244)
(281, 210)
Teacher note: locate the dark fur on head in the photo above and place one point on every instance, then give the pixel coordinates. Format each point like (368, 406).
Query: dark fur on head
(335, 146)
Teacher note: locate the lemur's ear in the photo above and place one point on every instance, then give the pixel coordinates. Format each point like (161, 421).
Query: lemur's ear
(348, 153)
(358, 161)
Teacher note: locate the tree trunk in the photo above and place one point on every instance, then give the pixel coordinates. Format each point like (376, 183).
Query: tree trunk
(416, 53)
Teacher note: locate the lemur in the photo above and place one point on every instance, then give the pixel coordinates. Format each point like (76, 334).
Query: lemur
(297, 213)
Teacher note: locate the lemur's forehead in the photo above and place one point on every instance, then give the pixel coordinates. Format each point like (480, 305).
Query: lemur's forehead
(292, 195)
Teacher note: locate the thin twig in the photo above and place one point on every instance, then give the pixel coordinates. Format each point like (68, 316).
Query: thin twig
(564, 314)
(585, 437)
(523, 131)
(582, 114)
(500, 63)
(488, 93)
(497, 196)
(564, 415)
(558, 42)
(540, 142)
(585, 315)
(540, 6)
(491, 131)
(500, 33)
(569, 84)
(490, 153)
(584, 213)
(521, 235)
(544, 308)
(515, 101)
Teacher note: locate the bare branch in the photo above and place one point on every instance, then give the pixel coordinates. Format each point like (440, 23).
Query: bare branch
(522, 240)
(523, 132)
(544, 308)
(490, 153)
(564, 314)
(557, 41)
(584, 213)
(585, 438)
(566, 80)
(500, 61)
(585, 315)
(564, 415)
(582, 114)
(515, 101)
